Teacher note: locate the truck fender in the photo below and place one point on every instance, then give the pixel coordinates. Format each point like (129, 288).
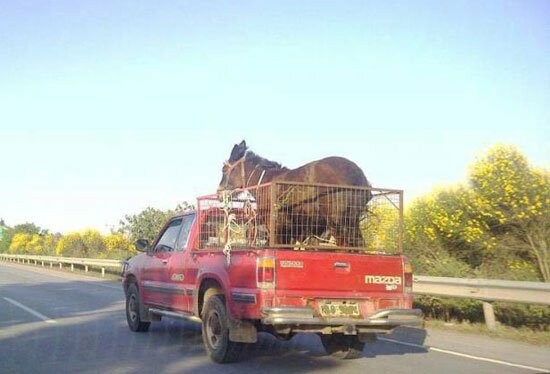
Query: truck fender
(206, 277)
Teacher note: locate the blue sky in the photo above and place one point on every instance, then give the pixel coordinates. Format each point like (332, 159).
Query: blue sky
(109, 107)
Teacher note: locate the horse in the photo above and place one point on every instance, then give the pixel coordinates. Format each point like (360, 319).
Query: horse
(304, 211)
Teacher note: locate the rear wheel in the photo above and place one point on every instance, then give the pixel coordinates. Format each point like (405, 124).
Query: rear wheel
(133, 314)
(215, 332)
(343, 346)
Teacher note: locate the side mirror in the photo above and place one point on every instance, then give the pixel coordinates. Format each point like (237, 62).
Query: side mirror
(142, 245)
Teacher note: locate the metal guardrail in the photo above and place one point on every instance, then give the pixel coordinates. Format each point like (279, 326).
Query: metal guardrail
(60, 261)
(485, 290)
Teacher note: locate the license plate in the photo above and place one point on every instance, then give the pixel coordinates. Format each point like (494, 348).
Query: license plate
(338, 309)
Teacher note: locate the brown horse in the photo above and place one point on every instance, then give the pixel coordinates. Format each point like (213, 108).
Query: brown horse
(318, 213)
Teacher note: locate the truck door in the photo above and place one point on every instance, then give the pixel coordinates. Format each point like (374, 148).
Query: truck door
(157, 285)
(176, 267)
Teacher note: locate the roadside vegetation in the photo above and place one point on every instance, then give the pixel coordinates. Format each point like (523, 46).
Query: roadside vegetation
(494, 225)
(30, 239)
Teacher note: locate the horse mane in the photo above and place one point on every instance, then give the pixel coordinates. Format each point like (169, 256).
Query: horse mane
(262, 162)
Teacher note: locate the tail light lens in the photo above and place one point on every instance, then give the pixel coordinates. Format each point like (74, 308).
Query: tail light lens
(407, 275)
(265, 272)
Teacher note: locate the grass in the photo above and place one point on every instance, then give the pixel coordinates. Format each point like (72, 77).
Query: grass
(522, 334)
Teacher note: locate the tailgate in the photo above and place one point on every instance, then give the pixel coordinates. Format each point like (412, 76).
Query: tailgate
(338, 274)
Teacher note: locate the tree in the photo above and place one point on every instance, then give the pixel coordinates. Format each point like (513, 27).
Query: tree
(147, 223)
(71, 245)
(446, 219)
(117, 246)
(49, 243)
(6, 234)
(93, 242)
(498, 224)
(28, 228)
(36, 245)
(19, 243)
(514, 200)
(144, 225)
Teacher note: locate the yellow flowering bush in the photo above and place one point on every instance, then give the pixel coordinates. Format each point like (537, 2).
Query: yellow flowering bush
(505, 207)
(380, 228)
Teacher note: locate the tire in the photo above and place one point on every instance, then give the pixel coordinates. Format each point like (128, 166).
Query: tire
(133, 313)
(215, 332)
(345, 347)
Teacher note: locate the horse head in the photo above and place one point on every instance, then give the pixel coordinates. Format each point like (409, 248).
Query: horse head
(233, 171)
(244, 169)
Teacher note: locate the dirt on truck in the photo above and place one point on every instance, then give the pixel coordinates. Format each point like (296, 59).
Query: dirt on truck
(282, 258)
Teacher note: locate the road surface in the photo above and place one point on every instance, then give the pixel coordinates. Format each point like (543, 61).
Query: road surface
(55, 322)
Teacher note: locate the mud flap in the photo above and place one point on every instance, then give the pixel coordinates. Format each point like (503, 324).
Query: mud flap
(242, 331)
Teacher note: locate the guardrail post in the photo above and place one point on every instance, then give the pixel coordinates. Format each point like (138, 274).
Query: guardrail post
(86, 268)
(42, 263)
(51, 264)
(489, 314)
(60, 265)
(72, 267)
(35, 262)
(102, 272)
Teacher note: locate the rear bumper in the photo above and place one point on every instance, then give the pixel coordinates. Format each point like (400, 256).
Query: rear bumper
(386, 318)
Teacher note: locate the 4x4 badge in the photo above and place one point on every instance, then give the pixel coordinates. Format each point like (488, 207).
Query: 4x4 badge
(177, 277)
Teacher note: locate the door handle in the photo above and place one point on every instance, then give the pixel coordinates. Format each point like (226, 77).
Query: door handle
(164, 262)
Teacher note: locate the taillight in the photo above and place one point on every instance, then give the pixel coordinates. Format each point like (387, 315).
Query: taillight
(265, 272)
(407, 275)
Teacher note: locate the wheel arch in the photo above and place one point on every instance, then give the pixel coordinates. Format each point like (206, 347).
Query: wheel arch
(209, 286)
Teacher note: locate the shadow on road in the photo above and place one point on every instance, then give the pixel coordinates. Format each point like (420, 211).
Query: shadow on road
(91, 336)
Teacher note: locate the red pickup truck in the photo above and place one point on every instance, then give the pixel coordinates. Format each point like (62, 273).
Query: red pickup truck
(274, 259)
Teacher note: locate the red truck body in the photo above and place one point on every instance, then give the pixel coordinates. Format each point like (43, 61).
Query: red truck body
(344, 295)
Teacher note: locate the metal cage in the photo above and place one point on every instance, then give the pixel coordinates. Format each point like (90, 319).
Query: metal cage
(303, 216)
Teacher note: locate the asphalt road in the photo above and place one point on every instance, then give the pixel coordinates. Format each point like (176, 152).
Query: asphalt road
(53, 322)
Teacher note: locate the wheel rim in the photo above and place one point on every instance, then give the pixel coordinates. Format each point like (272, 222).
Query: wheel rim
(214, 329)
(132, 308)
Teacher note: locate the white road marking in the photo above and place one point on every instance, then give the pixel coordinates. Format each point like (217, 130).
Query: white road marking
(31, 311)
(478, 358)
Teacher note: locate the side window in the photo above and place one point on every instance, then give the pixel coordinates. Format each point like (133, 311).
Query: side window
(187, 222)
(167, 241)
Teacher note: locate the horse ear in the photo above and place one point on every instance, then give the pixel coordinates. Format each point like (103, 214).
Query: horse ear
(238, 151)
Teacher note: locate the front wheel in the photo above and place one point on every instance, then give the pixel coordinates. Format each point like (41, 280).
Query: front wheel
(215, 332)
(343, 346)
(133, 314)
